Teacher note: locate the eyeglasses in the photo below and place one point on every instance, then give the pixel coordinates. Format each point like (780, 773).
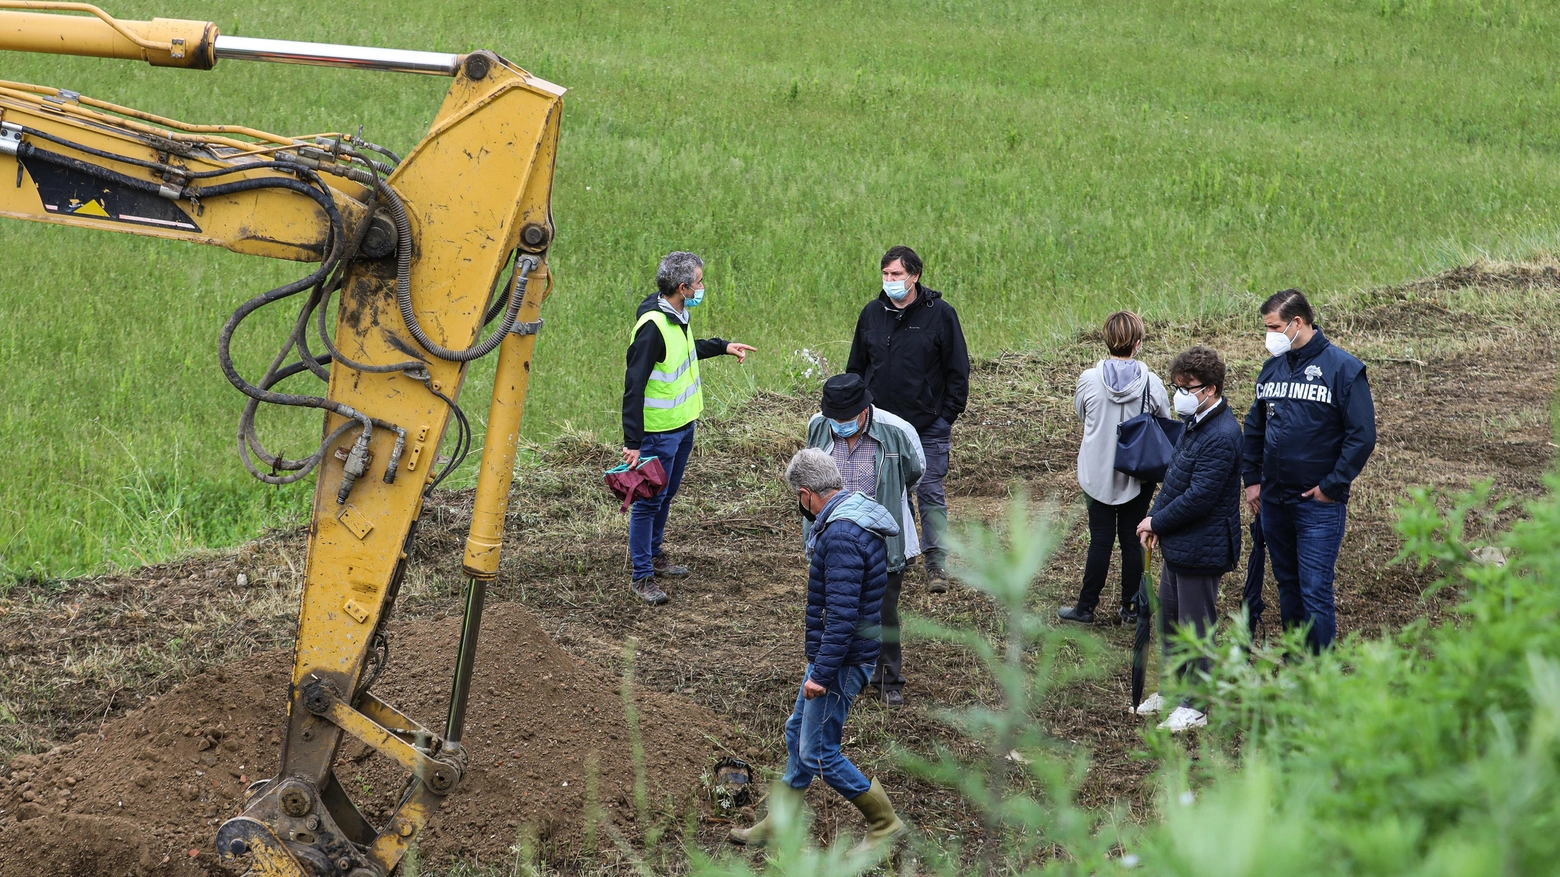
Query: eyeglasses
(1197, 389)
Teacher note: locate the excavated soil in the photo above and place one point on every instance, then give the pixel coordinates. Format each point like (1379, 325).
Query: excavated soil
(144, 797)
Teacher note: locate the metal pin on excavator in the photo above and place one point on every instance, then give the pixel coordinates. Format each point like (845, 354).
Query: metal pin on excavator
(424, 253)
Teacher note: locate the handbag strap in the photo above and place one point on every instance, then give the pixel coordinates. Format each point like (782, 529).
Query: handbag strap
(1143, 407)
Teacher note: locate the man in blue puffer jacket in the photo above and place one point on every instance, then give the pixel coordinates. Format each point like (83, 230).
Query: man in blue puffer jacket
(1196, 517)
(845, 585)
(1311, 429)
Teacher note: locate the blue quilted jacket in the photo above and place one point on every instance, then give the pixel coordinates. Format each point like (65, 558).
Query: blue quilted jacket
(1197, 512)
(845, 584)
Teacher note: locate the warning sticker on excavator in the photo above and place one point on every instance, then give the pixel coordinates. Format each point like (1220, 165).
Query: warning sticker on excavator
(67, 191)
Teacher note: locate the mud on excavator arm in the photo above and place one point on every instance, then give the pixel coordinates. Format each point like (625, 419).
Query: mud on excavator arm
(423, 253)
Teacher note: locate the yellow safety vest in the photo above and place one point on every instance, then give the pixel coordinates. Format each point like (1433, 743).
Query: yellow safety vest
(672, 395)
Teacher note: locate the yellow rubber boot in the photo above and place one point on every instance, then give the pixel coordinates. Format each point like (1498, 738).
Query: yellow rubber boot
(780, 796)
(883, 825)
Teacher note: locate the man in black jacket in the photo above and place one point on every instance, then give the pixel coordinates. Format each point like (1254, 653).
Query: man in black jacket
(909, 348)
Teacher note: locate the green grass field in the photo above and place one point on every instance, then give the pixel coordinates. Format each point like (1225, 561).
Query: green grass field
(1052, 162)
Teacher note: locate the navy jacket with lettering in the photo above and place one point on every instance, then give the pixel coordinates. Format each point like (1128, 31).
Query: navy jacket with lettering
(1313, 423)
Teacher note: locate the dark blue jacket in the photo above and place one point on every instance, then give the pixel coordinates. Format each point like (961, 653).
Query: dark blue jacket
(845, 584)
(1197, 512)
(1313, 423)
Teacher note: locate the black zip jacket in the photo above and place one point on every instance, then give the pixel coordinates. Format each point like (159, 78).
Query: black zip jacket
(647, 349)
(913, 360)
(1313, 423)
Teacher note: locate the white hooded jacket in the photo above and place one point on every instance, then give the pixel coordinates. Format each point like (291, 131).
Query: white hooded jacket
(1102, 409)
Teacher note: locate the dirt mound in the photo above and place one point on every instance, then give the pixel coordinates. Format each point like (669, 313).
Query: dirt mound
(145, 795)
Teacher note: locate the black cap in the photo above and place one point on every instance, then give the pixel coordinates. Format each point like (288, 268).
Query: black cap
(844, 397)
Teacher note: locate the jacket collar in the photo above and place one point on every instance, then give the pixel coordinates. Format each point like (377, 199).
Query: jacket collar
(1211, 413)
(666, 308)
(1310, 351)
(828, 509)
(922, 294)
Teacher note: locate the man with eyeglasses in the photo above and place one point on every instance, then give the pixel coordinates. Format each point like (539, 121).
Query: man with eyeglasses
(879, 455)
(1308, 435)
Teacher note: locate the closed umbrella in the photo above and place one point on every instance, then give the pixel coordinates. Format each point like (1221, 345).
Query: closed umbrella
(1251, 595)
(1145, 602)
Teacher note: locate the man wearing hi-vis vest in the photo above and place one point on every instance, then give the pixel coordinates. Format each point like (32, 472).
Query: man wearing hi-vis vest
(662, 400)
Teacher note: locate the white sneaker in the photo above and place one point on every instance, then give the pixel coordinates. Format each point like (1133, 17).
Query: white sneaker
(1152, 706)
(1184, 717)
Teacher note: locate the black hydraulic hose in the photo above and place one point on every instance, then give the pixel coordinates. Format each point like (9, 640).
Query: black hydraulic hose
(225, 339)
(300, 337)
(375, 147)
(29, 151)
(403, 289)
(462, 439)
(82, 147)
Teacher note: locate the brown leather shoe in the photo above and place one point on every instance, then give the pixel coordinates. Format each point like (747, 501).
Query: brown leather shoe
(937, 580)
(664, 567)
(647, 590)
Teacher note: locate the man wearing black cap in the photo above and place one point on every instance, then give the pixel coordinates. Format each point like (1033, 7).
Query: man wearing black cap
(879, 455)
(909, 348)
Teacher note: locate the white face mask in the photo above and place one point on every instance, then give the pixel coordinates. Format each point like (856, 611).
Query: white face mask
(1186, 404)
(1278, 343)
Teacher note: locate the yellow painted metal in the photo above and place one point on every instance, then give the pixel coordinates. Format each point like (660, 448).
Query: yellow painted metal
(161, 42)
(510, 383)
(481, 176)
(276, 223)
(387, 716)
(415, 762)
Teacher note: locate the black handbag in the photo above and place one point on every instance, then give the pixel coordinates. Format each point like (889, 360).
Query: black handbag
(1146, 443)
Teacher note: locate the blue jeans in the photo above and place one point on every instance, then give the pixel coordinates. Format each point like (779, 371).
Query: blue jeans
(814, 731)
(647, 520)
(1302, 544)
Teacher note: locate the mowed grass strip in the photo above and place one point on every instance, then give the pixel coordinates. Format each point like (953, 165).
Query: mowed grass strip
(1052, 162)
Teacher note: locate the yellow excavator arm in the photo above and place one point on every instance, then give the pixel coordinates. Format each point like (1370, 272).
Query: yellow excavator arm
(434, 259)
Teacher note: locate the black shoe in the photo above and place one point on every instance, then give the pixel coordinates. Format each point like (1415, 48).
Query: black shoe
(936, 580)
(647, 590)
(893, 698)
(664, 567)
(1129, 616)
(1082, 616)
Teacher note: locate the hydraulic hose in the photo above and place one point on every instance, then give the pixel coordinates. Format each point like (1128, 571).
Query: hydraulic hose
(403, 289)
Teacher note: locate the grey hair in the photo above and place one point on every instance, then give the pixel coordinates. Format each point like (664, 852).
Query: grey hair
(677, 269)
(813, 470)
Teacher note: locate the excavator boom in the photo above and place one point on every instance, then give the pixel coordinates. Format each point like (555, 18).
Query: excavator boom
(433, 260)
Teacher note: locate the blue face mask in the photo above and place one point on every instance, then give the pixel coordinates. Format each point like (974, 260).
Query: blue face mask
(698, 296)
(895, 289)
(844, 430)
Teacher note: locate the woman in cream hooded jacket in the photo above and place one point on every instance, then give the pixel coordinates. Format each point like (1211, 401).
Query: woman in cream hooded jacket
(1115, 390)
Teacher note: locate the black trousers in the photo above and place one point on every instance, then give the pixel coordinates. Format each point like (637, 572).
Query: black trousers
(1110, 525)
(1186, 602)
(891, 659)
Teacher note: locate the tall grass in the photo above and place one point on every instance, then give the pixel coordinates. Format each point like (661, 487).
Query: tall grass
(1051, 161)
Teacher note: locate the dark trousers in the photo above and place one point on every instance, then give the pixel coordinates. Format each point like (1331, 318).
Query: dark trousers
(1186, 602)
(931, 503)
(1303, 539)
(647, 519)
(1110, 525)
(891, 660)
